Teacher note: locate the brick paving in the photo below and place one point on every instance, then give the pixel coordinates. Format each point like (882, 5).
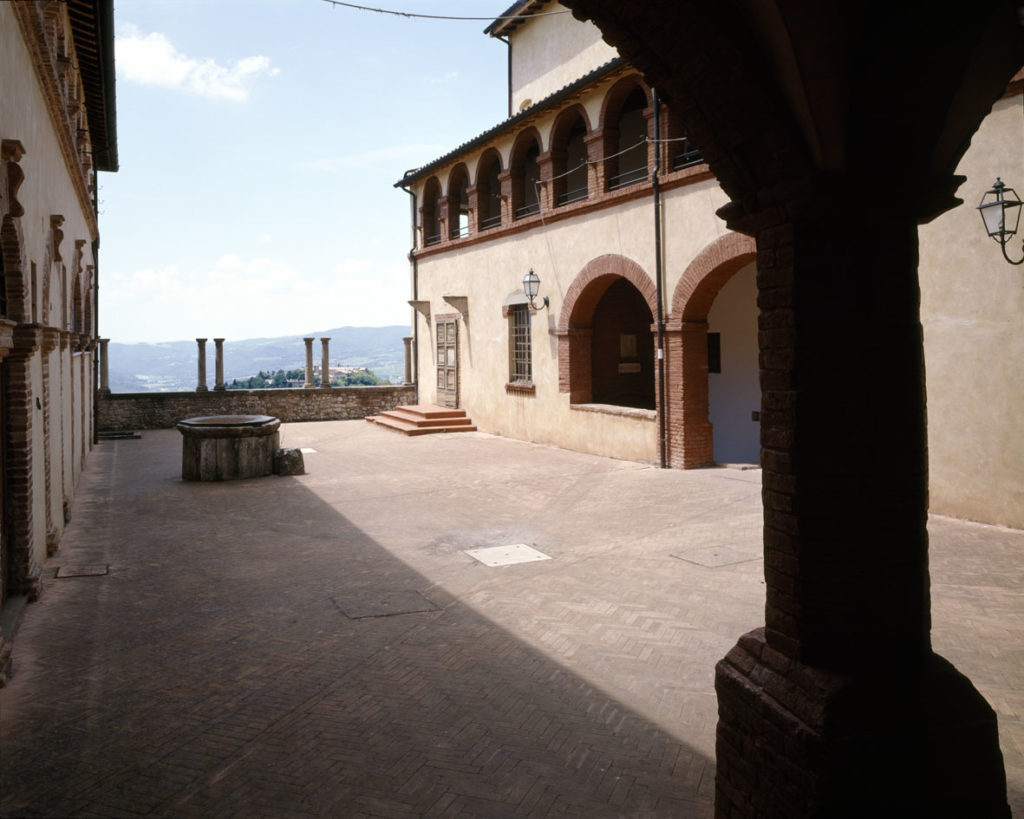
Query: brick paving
(213, 671)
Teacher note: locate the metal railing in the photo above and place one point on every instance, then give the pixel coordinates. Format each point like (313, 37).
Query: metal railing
(575, 195)
(490, 221)
(630, 177)
(432, 239)
(528, 210)
(686, 157)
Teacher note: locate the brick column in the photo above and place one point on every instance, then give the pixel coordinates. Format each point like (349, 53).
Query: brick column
(841, 687)
(24, 573)
(308, 385)
(201, 386)
(407, 340)
(325, 365)
(219, 363)
(104, 367)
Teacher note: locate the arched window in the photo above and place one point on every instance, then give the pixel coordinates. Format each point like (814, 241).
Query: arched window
(629, 165)
(569, 150)
(458, 203)
(525, 178)
(431, 212)
(681, 152)
(489, 191)
(622, 348)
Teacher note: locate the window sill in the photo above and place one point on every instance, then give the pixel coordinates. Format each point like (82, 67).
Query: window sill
(612, 409)
(521, 388)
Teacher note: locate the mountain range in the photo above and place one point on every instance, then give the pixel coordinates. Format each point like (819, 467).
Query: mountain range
(172, 365)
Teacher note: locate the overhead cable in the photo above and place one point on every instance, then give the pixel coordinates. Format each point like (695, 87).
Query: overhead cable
(414, 15)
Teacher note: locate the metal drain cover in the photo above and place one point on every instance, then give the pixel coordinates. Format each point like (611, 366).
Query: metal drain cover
(376, 603)
(507, 555)
(82, 571)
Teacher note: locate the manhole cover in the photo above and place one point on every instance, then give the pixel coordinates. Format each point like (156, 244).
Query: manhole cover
(507, 555)
(713, 557)
(357, 605)
(82, 571)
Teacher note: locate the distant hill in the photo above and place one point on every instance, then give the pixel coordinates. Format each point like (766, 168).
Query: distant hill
(171, 365)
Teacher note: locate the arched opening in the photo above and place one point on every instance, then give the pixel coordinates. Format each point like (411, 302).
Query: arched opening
(525, 176)
(605, 343)
(622, 349)
(734, 392)
(682, 153)
(431, 212)
(569, 158)
(628, 165)
(489, 191)
(458, 203)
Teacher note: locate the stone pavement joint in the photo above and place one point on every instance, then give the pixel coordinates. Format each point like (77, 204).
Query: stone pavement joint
(213, 671)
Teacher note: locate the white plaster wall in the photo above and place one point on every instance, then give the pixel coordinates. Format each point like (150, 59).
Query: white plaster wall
(972, 312)
(735, 392)
(551, 52)
(489, 272)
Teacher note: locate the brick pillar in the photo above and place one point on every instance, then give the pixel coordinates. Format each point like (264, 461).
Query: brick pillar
(841, 688)
(219, 364)
(325, 364)
(595, 142)
(308, 385)
(24, 573)
(407, 340)
(104, 367)
(690, 434)
(201, 386)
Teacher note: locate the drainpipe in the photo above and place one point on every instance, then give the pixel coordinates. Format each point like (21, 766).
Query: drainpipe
(508, 71)
(658, 276)
(415, 296)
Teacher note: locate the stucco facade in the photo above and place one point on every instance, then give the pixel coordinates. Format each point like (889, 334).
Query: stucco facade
(474, 245)
(57, 130)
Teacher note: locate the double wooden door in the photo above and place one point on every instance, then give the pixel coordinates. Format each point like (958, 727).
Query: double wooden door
(446, 331)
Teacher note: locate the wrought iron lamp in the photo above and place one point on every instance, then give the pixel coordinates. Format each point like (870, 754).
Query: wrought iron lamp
(531, 286)
(1000, 211)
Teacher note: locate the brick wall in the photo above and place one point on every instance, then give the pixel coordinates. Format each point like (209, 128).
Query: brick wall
(161, 410)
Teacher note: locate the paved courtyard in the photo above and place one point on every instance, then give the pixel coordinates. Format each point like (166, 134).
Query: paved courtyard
(323, 645)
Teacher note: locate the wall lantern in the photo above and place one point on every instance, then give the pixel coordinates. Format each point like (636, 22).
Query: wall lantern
(1000, 211)
(531, 286)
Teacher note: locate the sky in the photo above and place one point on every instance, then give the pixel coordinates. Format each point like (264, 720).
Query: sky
(259, 143)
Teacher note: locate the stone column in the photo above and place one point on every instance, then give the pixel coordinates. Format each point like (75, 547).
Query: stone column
(325, 364)
(407, 340)
(201, 387)
(309, 364)
(104, 367)
(841, 686)
(219, 365)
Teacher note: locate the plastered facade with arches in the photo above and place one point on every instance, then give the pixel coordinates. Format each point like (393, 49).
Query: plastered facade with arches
(596, 149)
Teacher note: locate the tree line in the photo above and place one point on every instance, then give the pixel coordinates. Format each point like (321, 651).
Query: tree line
(282, 379)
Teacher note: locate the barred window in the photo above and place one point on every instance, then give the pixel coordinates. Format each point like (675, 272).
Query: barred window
(521, 364)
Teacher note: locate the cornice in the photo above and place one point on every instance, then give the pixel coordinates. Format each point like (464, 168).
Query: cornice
(49, 65)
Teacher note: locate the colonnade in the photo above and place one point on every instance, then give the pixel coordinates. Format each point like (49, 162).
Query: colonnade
(325, 367)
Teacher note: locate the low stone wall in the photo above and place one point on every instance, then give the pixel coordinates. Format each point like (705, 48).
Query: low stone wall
(119, 412)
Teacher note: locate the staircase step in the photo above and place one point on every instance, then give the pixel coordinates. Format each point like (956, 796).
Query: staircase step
(423, 419)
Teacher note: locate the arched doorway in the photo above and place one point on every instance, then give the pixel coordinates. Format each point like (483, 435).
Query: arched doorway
(708, 311)
(734, 392)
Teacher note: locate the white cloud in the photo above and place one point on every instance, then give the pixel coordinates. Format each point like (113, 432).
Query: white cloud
(238, 297)
(151, 59)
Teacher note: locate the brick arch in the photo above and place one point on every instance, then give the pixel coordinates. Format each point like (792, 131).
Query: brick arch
(708, 273)
(590, 283)
(575, 320)
(616, 96)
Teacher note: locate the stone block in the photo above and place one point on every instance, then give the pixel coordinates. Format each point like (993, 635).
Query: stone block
(289, 462)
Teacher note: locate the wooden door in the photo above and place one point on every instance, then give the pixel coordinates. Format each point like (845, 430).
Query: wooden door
(447, 362)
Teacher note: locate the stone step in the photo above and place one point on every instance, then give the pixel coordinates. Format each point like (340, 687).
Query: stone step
(423, 419)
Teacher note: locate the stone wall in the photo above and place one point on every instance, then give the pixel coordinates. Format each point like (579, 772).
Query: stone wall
(160, 410)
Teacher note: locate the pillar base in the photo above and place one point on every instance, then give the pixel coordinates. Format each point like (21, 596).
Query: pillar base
(914, 740)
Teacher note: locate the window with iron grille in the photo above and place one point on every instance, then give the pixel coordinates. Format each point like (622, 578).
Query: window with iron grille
(522, 368)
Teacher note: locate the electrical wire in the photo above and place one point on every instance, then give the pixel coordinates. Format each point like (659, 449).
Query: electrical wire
(414, 15)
